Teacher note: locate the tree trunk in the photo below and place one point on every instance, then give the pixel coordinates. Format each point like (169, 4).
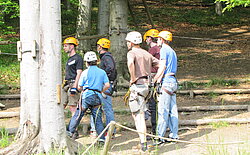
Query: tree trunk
(84, 24)
(118, 27)
(29, 72)
(53, 135)
(103, 17)
(218, 8)
(42, 126)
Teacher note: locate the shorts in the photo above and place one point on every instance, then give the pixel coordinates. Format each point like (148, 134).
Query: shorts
(137, 97)
(67, 99)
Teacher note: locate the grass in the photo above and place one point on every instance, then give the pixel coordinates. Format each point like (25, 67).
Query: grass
(211, 83)
(220, 124)
(5, 138)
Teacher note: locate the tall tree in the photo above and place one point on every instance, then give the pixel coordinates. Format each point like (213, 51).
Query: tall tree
(84, 24)
(118, 27)
(103, 17)
(42, 126)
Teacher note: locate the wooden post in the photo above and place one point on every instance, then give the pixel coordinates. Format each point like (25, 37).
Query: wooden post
(109, 137)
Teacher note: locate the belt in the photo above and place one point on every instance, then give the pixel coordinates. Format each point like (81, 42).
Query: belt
(106, 93)
(142, 77)
(168, 92)
(93, 90)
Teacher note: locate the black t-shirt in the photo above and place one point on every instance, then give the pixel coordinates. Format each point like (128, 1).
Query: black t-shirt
(74, 63)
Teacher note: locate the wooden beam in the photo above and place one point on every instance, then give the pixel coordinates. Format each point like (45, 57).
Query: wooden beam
(9, 114)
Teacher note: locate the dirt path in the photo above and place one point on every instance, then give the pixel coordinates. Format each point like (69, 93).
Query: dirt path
(197, 60)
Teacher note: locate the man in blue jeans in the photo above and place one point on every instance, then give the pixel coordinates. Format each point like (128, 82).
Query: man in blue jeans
(167, 107)
(93, 82)
(109, 66)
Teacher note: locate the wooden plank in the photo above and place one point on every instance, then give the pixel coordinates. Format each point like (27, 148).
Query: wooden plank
(13, 96)
(9, 114)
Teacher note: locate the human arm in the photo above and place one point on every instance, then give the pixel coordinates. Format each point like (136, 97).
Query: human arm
(105, 87)
(131, 68)
(160, 72)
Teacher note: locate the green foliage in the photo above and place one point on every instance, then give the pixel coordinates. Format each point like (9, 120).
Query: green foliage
(230, 4)
(220, 124)
(9, 10)
(208, 17)
(4, 138)
(222, 82)
(9, 66)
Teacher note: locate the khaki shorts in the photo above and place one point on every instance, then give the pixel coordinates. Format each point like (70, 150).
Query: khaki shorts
(67, 99)
(137, 97)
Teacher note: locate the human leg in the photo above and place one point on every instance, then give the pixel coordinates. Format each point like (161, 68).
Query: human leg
(152, 108)
(97, 116)
(173, 118)
(75, 120)
(92, 127)
(163, 114)
(108, 109)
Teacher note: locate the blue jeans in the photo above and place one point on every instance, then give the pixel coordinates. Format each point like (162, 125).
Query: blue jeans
(107, 108)
(167, 111)
(91, 102)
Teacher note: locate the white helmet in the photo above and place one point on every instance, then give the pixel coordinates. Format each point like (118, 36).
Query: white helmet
(134, 37)
(90, 56)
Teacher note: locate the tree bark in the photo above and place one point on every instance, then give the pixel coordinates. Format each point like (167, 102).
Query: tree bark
(53, 135)
(84, 24)
(29, 72)
(218, 8)
(103, 17)
(118, 29)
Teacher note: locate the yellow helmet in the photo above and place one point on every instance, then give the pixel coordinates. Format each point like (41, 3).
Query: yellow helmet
(166, 35)
(104, 42)
(151, 33)
(71, 40)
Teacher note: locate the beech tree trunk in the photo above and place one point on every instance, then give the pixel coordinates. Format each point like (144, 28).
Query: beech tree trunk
(42, 125)
(84, 24)
(53, 133)
(118, 29)
(103, 17)
(29, 72)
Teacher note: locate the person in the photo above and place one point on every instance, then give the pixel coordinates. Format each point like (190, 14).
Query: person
(150, 37)
(108, 65)
(167, 107)
(139, 63)
(93, 82)
(74, 68)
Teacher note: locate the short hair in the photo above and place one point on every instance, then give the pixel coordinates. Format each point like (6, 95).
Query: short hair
(92, 63)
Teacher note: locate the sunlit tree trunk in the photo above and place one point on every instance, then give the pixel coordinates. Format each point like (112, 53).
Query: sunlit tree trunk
(84, 24)
(29, 70)
(103, 17)
(42, 126)
(52, 114)
(118, 29)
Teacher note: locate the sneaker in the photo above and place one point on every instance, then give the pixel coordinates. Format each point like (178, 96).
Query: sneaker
(159, 142)
(100, 143)
(113, 135)
(93, 134)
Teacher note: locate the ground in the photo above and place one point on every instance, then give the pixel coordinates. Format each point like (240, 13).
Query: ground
(198, 60)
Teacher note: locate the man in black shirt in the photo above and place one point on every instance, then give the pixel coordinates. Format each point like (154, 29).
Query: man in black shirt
(74, 67)
(108, 65)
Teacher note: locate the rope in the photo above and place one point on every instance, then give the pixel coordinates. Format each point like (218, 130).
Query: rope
(181, 141)
(97, 138)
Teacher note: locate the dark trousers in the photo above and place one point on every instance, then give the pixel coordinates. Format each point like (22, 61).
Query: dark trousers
(152, 109)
